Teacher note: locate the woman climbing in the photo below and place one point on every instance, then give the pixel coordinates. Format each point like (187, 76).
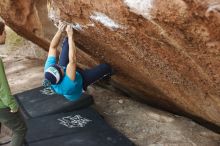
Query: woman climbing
(63, 77)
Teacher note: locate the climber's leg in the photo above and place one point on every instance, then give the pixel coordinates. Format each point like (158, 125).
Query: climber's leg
(92, 75)
(64, 56)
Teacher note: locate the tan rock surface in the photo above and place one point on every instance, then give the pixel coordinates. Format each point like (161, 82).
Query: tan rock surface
(143, 125)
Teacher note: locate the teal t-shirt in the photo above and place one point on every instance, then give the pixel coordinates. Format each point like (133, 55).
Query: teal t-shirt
(70, 89)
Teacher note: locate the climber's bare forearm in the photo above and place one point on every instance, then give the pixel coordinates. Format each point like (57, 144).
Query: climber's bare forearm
(72, 50)
(71, 67)
(56, 39)
(54, 43)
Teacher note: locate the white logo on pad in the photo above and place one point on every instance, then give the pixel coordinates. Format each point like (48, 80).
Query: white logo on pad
(74, 121)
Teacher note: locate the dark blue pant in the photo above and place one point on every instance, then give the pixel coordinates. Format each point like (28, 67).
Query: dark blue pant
(89, 76)
(64, 56)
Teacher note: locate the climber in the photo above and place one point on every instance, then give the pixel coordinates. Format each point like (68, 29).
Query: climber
(64, 78)
(9, 115)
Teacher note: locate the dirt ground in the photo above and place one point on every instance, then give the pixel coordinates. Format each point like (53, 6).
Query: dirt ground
(143, 125)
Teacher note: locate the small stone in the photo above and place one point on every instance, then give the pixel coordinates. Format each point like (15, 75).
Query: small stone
(121, 101)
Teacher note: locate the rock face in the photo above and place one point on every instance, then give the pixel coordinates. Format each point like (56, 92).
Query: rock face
(28, 19)
(166, 52)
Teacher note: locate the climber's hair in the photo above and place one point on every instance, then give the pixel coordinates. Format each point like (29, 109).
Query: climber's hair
(2, 27)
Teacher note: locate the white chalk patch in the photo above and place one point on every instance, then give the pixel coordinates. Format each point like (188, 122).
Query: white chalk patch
(52, 14)
(214, 7)
(76, 26)
(106, 21)
(140, 7)
(79, 27)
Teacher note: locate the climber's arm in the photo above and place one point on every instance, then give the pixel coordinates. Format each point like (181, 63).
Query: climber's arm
(71, 67)
(56, 39)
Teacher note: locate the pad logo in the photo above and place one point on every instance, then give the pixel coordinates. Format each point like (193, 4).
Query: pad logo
(47, 91)
(74, 121)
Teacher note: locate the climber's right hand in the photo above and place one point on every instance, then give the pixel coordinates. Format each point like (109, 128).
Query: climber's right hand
(69, 30)
(61, 26)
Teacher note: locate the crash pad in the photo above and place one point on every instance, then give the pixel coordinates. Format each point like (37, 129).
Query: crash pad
(43, 101)
(84, 127)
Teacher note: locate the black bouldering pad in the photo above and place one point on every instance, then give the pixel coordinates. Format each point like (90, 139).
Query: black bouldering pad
(83, 127)
(43, 101)
(89, 138)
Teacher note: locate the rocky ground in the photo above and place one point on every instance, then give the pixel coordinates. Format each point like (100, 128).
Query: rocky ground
(142, 124)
